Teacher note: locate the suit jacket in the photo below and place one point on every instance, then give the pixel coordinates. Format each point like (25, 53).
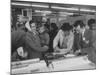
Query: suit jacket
(90, 36)
(52, 35)
(90, 47)
(77, 41)
(87, 44)
(33, 46)
(85, 41)
(44, 37)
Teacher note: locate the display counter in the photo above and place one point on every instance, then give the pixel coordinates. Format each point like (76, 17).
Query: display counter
(67, 63)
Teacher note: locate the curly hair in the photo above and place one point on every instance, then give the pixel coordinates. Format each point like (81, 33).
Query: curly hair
(79, 23)
(66, 27)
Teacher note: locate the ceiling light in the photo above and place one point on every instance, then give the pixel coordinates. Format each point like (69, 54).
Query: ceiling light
(87, 10)
(21, 4)
(55, 7)
(47, 12)
(36, 5)
(66, 13)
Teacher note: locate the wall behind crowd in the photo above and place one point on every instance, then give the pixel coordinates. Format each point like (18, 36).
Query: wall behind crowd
(59, 20)
(71, 19)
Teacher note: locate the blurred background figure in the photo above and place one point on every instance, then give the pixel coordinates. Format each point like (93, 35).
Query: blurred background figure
(20, 26)
(52, 34)
(92, 24)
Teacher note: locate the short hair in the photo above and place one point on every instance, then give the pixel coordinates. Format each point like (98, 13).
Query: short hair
(66, 27)
(54, 26)
(79, 23)
(90, 22)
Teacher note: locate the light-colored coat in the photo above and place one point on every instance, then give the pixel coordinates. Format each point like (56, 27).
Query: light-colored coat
(59, 39)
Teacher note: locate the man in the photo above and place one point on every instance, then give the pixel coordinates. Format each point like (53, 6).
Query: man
(32, 43)
(91, 40)
(79, 27)
(44, 36)
(63, 41)
(52, 33)
(86, 40)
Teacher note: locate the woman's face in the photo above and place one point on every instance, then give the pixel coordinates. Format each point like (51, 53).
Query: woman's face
(66, 33)
(33, 27)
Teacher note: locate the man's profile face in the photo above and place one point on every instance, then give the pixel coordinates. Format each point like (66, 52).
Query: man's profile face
(79, 29)
(33, 27)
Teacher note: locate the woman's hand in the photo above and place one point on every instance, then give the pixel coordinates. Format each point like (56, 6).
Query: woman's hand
(56, 49)
(64, 50)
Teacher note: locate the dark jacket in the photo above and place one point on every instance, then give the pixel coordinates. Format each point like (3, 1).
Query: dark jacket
(79, 43)
(90, 47)
(29, 42)
(33, 46)
(52, 35)
(77, 40)
(44, 37)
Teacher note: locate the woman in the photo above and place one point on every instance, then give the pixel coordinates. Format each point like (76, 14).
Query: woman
(63, 41)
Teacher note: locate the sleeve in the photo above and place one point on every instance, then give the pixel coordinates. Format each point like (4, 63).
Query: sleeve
(70, 43)
(56, 40)
(33, 46)
(47, 39)
(76, 44)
